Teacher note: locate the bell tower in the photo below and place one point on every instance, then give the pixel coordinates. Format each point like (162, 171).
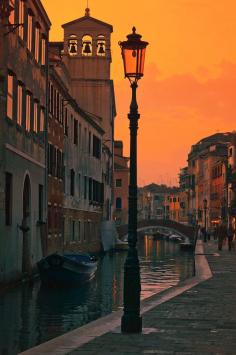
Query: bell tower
(87, 56)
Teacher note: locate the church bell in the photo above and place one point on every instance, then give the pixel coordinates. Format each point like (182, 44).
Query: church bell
(73, 49)
(101, 49)
(87, 49)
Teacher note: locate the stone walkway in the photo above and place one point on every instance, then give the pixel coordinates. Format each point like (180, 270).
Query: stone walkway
(200, 321)
(196, 317)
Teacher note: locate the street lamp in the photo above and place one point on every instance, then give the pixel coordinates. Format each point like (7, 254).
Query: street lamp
(133, 55)
(205, 224)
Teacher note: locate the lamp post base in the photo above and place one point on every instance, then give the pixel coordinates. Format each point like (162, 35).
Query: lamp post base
(131, 324)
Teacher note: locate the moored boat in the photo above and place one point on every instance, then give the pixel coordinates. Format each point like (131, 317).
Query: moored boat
(68, 269)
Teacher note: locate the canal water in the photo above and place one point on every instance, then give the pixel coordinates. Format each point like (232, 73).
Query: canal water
(33, 315)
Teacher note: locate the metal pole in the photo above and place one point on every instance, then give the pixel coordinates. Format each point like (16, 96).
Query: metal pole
(131, 321)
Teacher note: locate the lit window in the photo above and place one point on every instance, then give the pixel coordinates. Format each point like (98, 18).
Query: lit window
(21, 18)
(12, 15)
(37, 39)
(42, 120)
(28, 112)
(35, 116)
(30, 27)
(10, 96)
(19, 104)
(43, 52)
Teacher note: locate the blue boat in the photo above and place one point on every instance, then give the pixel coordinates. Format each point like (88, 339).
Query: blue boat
(67, 269)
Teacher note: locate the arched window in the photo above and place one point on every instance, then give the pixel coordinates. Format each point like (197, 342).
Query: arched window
(118, 203)
(87, 49)
(101, 46)
(73, 45)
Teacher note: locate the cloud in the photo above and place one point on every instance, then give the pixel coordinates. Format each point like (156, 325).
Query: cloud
(176, 112)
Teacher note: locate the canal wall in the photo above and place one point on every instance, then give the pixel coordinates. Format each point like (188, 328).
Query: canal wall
(111, 323)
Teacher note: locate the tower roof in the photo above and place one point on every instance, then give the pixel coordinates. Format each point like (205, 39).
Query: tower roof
(87, 17)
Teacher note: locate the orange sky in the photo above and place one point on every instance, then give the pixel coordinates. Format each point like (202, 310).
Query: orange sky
(188, 90)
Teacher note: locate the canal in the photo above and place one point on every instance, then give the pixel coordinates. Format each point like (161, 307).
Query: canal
(33, 315)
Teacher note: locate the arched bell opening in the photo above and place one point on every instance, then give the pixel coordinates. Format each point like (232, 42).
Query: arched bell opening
(101, 46)
(73, 45)
(87, 43)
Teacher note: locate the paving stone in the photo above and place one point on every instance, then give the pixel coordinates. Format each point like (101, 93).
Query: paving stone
(201, 321)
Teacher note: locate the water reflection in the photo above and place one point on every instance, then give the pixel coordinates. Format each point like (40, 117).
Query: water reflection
(32, 315)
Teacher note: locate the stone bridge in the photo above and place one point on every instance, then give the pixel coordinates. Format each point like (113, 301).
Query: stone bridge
(188, 231)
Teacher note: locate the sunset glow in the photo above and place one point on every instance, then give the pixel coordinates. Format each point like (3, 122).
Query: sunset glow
(188, 87)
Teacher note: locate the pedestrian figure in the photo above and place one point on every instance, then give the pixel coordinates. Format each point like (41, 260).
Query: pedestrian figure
(208, 235)
(230, 235)
(204, 234)
(214, 233)
(221, 235)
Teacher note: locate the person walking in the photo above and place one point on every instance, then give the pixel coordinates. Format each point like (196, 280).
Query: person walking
(230, 236)
(221, 234)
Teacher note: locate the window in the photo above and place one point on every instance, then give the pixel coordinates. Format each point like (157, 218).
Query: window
(96, 147)
(79, 231)
(87, 45)
(30, 29)
(42, 120)
(73, 230)
(90, 189)
(79, 184)
(118, 203)
(51, 99)
(19, 103)
(10, 81)
(75, 131)
(101, 46)
(8, 199)
(21, 19)
(72, 182)
(12, 14)
(43, 51)
(85, 139)
(73, 45)
(85, 187)
(89, 143)
(66, 122)
(40, 202)
(37, 40)
(35, 127)
(28, 112)
(118, 182)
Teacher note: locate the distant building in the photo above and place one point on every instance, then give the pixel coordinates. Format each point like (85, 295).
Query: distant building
(157, 202)
(207, 170)
(23, 142)
(121, 185)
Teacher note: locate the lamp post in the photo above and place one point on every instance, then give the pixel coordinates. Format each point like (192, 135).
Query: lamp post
(133, 55)
(205, 222)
